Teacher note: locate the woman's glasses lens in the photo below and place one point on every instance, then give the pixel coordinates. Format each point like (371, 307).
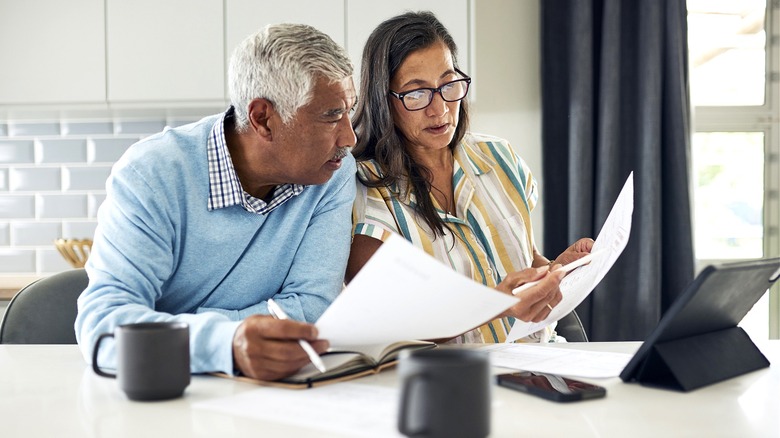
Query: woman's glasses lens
(451, 92)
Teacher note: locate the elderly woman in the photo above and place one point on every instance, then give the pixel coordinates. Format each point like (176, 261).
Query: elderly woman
(463, 198)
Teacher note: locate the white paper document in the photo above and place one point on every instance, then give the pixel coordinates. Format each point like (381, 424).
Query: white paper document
(347, 408)
(402, 294)
(576, 286)
(563, 361)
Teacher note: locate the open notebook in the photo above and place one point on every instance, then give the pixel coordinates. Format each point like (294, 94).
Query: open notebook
(346, 363)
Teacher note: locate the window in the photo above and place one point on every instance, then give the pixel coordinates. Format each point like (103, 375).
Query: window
(735, 149)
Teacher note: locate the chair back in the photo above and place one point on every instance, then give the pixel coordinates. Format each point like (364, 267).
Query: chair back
(44, 311)
(570, 327)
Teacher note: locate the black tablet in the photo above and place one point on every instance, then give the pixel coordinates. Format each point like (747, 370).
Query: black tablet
(697, 341)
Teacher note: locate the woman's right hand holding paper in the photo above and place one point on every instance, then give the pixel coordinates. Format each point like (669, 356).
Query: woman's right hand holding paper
(536, 302)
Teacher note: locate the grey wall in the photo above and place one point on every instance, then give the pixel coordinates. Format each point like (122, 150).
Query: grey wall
(507, 82)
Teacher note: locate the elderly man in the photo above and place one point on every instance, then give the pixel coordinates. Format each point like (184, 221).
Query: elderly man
(205, 222)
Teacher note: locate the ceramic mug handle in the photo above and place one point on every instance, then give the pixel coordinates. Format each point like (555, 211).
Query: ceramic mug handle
(95, 366)
(410, 380)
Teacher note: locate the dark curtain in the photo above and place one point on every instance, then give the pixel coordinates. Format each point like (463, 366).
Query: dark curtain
(615, 99)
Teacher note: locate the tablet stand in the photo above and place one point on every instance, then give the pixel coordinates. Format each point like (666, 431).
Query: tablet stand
(689, 363)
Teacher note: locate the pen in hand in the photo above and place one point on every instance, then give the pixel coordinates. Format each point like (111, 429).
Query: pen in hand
(565, 268)
(278, 313)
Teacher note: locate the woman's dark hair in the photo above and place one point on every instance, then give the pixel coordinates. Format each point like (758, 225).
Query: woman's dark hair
(377, 137)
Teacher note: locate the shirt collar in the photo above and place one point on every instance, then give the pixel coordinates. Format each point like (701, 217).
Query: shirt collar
(224, 187)
(466, 154)
(469, 154)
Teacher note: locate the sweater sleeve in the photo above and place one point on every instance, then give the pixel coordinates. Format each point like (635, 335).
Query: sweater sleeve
(133, 256)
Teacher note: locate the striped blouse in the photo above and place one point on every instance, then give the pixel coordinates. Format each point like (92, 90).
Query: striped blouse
(490, 234)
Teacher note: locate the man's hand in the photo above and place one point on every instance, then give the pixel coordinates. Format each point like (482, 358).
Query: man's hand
(267, 349)
(537, 302)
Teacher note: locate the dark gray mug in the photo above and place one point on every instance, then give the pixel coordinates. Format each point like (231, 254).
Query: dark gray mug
(153, 359)
(445, 393)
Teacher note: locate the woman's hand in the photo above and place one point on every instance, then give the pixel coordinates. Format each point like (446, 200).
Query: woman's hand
(577, 250)
(536, 302)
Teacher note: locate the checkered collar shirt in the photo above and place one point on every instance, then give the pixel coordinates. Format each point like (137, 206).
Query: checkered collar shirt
(224, 187)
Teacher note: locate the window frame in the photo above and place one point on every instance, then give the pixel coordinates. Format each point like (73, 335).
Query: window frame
(766, 119)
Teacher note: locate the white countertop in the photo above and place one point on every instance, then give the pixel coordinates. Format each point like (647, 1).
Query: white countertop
(48, 391)
(10, 284)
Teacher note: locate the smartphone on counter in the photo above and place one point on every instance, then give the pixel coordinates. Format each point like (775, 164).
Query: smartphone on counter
(551, 386)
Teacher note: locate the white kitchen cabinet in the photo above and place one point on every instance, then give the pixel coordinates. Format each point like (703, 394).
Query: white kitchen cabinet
(139, 52)
(245, 17)
(165, 51)
(52, 52)
(363, 16)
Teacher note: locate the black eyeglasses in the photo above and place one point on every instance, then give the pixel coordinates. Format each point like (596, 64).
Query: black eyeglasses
(420, 98)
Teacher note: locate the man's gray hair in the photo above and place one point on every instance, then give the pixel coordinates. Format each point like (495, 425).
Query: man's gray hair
(281, 63)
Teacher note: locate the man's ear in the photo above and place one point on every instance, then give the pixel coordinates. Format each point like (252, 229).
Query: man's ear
(260, 113)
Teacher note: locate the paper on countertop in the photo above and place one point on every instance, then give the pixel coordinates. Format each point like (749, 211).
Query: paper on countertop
(562, 361)
(346, 409)
(404, 294)
(576, 286)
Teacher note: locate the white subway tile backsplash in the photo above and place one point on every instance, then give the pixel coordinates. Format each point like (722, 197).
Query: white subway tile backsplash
(50, 261)
(138, 126)
(107, 150)
(17, 206)
(14, 261)
(85, 178)
(18, 129)
(53, 174)
(60, 150)
(93, 204)
(5, 236)
(78, 229)
(71, 127)
(61, 206)
(34, 178)
(35, 233)
(17, 151)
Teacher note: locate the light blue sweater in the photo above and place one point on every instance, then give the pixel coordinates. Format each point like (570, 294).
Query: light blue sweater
(160, 255)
